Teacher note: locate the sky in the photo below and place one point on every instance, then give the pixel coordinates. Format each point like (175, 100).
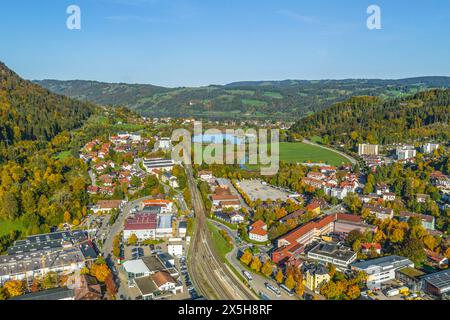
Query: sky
(201, 42)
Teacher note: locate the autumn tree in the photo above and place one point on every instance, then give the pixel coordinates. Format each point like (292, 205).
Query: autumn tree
(132, 240)
(256, 264)
(100, 272)
(353, 292)
(267, 268)
(14, 288)
(246, 258)
(300, 288)
(290, 282)
(279, 277)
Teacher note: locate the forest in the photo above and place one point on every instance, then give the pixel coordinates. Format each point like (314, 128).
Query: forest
(424, 115)
(252, 100)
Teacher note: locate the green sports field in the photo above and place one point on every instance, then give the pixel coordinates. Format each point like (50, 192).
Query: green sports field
(302, 152)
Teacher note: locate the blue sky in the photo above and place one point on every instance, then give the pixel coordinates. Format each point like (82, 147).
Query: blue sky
(201, 42)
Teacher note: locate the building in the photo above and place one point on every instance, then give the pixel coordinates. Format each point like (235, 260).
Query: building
(368, 149)
(88, 289)
(48, 295)
(367, 248)
(182, 229)
(164, 144)
(143, 225)
(405, 153)
(437, 284)
(166, 206)
(205, 175)
(223, 198)
(135, 269)
(334, 254)
(429, 147)
(230, 217)
(108, 205)
(164, 228)
(170, 179)
(294, 242)
(379, 211)
(428, 222)
(382, 269)
(60, 252)
(411, 277)
(258, 232)
(158, 164)
(422, 198)
(345, 223)
(175, 249)
(316, 276)
(159, 285)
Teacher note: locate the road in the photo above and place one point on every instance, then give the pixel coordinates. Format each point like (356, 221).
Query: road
(116, 229)
(351, 159)
(258, 282)
(212, 278)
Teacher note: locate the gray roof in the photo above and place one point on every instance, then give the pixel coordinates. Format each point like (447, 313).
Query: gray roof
(393, 261)
(440, 280)
(51, 294)
(333, 251)
(146, 285)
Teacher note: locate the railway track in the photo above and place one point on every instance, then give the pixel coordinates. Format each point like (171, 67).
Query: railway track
(213, 279)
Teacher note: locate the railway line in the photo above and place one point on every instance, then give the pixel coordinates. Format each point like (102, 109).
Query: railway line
(212, 278)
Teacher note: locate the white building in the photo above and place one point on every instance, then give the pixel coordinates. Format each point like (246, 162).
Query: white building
(430, 147)
(405, 153)
(368, 149)
(382, 269)
(158, 164)
(142, 225)
(175, 249)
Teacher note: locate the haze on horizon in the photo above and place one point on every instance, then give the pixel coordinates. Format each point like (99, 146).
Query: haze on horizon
(198, 42)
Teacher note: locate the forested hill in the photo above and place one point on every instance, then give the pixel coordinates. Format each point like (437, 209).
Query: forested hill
(425, 115)
(258, 100)
(30, 112)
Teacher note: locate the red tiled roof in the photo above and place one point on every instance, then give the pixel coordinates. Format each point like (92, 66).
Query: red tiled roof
(258, 231)
(258, 224)
(141, 222)
(348, 217)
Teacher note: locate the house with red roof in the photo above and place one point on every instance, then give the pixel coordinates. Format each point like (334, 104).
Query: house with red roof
(258, 231)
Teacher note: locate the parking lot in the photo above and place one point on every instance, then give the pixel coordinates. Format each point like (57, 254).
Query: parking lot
(256, 189)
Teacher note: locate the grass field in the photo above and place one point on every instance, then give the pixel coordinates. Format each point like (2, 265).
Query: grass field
(301, 152)
(220, 243)
(63, 155)
(7, 226)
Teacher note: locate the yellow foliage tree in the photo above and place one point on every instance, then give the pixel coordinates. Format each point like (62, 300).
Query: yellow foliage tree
(256, 264)
(267, 268)
(246, 257)
(279, 277)
(100, 271)
(290, 282)
(14, 288)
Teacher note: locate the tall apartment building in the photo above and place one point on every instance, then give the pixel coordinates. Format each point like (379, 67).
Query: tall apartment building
(368, 149)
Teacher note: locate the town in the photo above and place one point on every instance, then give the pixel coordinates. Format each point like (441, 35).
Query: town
(338, 232)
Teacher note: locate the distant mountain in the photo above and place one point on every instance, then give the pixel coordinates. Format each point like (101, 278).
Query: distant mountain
(286, 99)
(30, 112)
(422, 116)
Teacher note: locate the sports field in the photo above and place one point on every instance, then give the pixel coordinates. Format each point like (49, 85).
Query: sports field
(302, 152)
